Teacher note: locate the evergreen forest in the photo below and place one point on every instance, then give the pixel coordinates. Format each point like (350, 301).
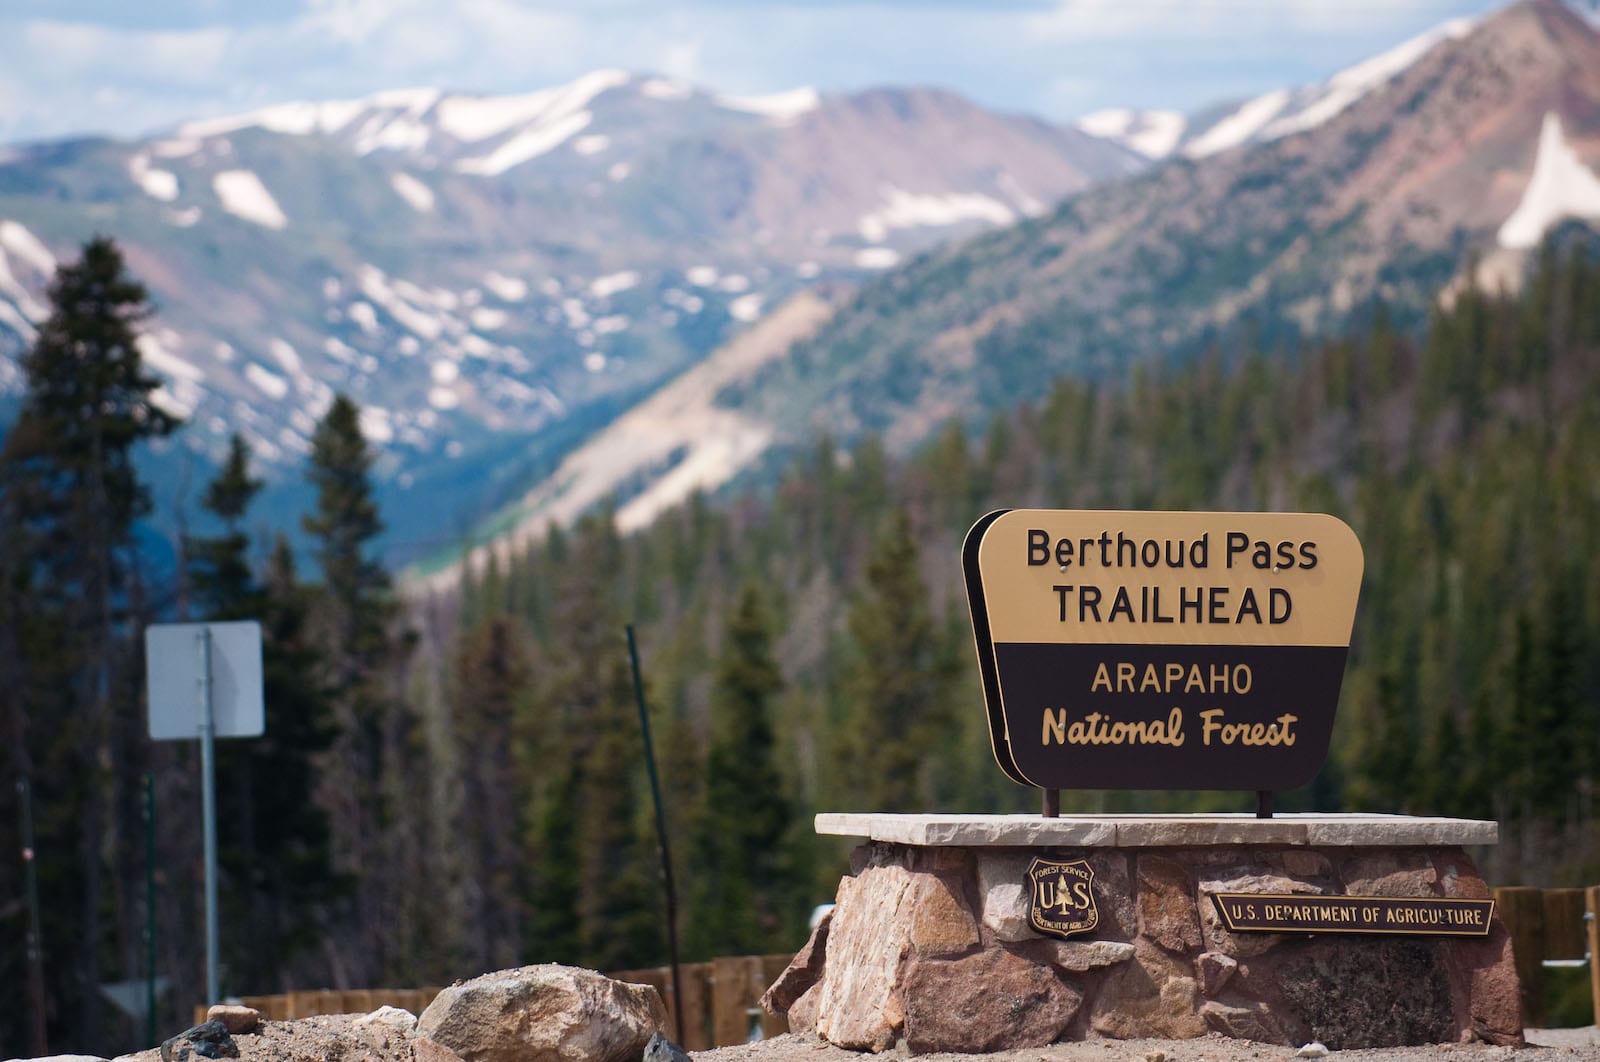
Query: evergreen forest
(455, 783)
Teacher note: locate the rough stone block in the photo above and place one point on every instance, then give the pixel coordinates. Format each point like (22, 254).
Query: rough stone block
(859, 1006)
(1074, 956)
(1389, 874)
(1353, 991)
(1154, 995)
(991, 1001)
(1253, 1022)
(1166, 904)
(941, 924)
(1214, 970)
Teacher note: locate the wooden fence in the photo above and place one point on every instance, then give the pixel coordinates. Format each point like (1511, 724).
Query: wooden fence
(1551, 927)
(719, 1000)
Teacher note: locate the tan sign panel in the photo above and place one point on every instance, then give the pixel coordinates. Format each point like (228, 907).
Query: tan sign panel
(1161, 649)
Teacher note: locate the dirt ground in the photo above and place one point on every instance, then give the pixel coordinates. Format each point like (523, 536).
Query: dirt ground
(1544, 1045)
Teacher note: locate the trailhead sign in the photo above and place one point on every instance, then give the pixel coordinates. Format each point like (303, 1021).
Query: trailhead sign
(1161, 650)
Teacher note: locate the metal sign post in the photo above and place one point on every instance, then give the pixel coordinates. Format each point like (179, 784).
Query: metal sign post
(208, 806)
(204, 681)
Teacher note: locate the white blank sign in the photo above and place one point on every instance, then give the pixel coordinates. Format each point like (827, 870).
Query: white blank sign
(173, 657)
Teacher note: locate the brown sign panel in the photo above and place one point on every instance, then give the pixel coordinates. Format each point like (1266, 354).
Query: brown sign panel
(1252, 912)
(1061, 897)
(1161, 650)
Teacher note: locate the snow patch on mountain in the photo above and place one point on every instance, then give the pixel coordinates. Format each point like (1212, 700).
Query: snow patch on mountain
(527, 145)
(474, 118)
(157, 183)
(266, 381)
(180, 393)
(607, 286)
(877, 258)
(413, 191)
(1239, 126)
(907, 210)
(21, 311)
(243, 195)
(1153, 134)
(660, 88)
(508, 289)
(1561, 187)
(746, 308)
(15, 238)
(781, 107)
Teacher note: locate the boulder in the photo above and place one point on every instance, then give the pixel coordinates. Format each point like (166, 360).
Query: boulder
(990, 1001)
(544, 1013)
(859, 1006)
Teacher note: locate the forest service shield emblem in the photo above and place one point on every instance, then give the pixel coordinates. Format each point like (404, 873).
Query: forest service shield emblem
(1061, 897)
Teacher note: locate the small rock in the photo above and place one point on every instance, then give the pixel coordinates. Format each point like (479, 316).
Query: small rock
(1155, 1056)
(207, 1040)
(661, 1049)
(1312, 1050)
(235, 1018)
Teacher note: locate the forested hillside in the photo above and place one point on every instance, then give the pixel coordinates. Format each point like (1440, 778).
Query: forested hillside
(456, 784)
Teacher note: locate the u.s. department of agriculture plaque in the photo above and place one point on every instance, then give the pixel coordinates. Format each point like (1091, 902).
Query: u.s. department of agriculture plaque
(1161, 650)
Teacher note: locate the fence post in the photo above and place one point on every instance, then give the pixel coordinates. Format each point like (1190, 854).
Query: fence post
(1593, 894)
(1522, 910)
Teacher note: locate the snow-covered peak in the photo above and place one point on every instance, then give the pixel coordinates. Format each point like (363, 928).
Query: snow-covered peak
(1282, 112)
(408, 119)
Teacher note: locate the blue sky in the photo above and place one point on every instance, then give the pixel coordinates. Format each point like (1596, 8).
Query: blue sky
(125, 68)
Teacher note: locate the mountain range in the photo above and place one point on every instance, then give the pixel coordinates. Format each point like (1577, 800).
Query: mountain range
(629, 286)
(494, 277)
(1471, 150)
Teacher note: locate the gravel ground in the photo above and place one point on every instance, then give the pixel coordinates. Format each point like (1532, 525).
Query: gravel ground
(1554, 1045)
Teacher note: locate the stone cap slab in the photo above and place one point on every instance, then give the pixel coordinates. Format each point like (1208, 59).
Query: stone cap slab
(1150, 831)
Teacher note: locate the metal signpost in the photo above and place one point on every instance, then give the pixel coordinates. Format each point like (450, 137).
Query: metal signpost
(204, 681)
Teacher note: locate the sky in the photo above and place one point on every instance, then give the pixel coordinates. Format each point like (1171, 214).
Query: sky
(124, 69)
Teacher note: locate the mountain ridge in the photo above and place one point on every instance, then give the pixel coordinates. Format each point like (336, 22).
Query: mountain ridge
(1390, 199)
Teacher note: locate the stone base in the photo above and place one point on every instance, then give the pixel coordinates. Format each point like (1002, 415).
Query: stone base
(929, 944)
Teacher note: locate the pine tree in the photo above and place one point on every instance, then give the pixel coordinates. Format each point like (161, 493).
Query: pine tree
(69, 498)
(898, 682)
(493, 676)
(739, 860)
(370, 772)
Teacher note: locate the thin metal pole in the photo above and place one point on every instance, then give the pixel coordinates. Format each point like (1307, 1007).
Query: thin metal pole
(150, 907)
(208, 798)
(35, 944)
(1051, 808)
(1263, 803)
(661, 837)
